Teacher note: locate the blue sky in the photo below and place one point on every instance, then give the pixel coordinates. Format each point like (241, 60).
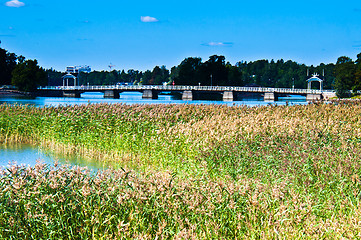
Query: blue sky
(142, 34)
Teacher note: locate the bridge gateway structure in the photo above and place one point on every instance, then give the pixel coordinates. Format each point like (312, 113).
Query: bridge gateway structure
(229, 93)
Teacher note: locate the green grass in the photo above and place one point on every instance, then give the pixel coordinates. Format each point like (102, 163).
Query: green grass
(186, 171)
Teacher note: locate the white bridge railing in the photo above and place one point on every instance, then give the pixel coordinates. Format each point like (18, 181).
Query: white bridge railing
(186, 88)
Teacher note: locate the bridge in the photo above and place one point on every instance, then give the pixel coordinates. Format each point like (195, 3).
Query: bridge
(229, 93)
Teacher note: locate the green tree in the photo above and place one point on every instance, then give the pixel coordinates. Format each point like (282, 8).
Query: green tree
(147, 76)
(111, 78)
(187, 72)
(132, 75)
(165, 76)
(7, 65)
(327, 72)
(214, 71)
(357, 84)
(54, 77)
(234, 75)
(27, 76)
(345, 76)
(159, 75)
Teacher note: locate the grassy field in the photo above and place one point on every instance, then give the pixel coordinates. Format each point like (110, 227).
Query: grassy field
(186, 171)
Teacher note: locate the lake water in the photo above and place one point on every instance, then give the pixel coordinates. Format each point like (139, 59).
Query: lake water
(28, 155)
(136, 98)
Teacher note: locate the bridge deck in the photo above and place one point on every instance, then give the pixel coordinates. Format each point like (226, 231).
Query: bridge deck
(186, 88)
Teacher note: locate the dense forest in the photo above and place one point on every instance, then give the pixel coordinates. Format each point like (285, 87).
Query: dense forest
(343, 76)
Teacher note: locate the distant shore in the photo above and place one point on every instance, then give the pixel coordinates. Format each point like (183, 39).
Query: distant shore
(12, 93)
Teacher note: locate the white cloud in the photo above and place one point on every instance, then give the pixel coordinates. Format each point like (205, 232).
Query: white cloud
(148, 19)
(218, 44)
(15, 3)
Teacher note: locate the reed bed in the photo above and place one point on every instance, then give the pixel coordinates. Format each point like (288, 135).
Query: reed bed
(186, 171)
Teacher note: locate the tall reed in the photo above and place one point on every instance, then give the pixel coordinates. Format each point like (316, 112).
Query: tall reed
(198, 171)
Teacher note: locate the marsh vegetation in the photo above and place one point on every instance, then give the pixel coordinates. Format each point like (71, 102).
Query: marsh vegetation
(186, 171)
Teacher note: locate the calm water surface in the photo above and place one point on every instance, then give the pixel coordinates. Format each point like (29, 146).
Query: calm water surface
(29, 155)
(136, 98)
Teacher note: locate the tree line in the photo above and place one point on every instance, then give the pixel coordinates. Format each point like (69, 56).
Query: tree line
(215, 71)
(265, 73)
(343, 76)
(157, 76)
(15, 70)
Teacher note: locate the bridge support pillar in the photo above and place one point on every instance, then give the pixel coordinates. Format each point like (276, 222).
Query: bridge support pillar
(72, 94)
(150, 94)
(111, 94)
(313, 97)
(187, 95)
(270, 96)
(228, 96)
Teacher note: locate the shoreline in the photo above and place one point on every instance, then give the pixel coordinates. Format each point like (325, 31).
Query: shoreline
(12, 93)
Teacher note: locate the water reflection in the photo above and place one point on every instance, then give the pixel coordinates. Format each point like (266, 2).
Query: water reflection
(29, 155)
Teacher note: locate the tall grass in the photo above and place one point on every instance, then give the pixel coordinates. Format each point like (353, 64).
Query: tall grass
(198, 172)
